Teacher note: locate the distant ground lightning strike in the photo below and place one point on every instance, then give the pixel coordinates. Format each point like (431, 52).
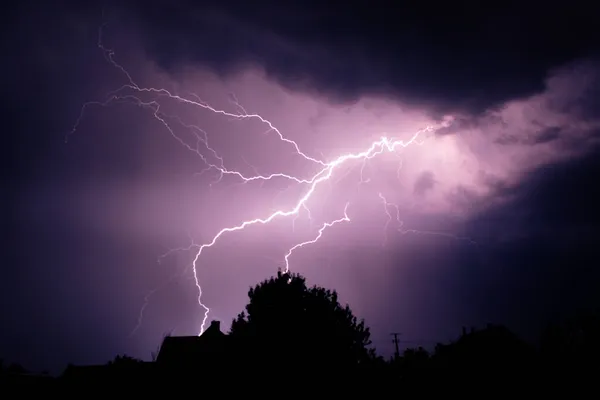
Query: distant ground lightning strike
(130, 91)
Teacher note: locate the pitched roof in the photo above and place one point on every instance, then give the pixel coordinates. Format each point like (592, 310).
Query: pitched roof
(186, 350)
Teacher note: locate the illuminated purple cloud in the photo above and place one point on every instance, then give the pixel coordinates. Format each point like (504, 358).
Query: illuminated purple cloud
(300, 164)
(501, 168)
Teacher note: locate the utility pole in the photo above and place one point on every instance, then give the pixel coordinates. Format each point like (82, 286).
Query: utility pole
(396, 341)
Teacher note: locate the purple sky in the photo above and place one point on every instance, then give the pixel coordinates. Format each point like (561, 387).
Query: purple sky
(495, 200)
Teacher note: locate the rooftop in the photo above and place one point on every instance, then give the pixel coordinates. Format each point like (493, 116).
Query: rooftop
(186, 350)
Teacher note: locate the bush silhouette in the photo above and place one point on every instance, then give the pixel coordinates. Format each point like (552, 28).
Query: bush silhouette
(289, 323)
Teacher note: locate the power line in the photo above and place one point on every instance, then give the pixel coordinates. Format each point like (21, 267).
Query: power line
(396, 342)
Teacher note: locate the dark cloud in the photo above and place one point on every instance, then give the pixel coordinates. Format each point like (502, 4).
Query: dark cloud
(541, 258)
(457, 56)
(463, 197)
(547, 135)
(580, 92)
(457, 125)
(562, 197)
(542, 136)
(424, 182)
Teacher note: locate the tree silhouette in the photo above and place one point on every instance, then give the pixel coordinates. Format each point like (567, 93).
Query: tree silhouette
(124, 361)
(290, 323)
(572, 344)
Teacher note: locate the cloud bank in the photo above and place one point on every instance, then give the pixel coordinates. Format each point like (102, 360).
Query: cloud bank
(513, 168)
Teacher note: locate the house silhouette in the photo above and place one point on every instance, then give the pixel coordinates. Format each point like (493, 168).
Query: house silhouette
(178, 356)
(211, 350)
(122, 369)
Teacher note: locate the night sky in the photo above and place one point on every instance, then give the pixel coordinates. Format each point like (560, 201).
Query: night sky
(497, 201)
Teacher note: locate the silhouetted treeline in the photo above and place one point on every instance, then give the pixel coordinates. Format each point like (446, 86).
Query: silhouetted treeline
(291, 331)
(289, 324)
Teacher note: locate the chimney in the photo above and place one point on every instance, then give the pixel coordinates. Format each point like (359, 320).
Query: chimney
(215, 325)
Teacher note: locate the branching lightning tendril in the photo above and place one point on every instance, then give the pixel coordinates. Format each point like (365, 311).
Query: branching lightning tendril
(130, 91)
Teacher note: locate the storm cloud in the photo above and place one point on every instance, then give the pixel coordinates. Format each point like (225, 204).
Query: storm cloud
(511, 165)
(459, 56)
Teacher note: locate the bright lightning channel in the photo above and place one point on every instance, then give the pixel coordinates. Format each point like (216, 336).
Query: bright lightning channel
(128, 91)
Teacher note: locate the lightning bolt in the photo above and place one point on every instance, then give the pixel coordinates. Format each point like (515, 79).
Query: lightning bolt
(319, 234)
(387, 205)
(130, 92)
